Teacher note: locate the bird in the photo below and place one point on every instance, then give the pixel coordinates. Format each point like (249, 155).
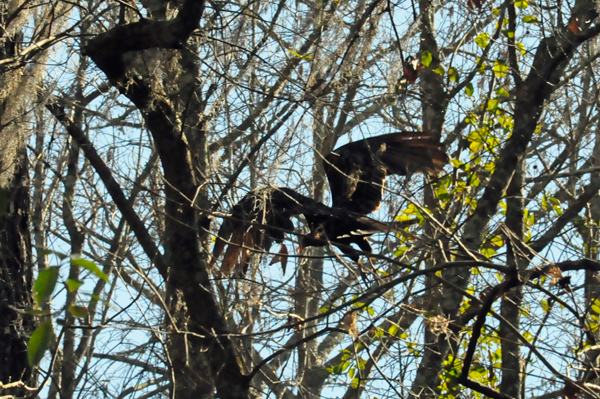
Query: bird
(356, 173)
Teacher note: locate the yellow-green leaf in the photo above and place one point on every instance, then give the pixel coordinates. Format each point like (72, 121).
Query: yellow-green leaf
(90, 266)
(73, 285)
(476, 146)
(453, 73)
(39, 342)
(482, 39)
(426, 59)
(530, 19)
(488, 252)
(439, 70)
(492, 104)
(78, 311)
(500, 68)
(351, 373)
(44, 285)
(497, 241)
(469, 89)
(502, 92)
(393, 330)
(521, 3)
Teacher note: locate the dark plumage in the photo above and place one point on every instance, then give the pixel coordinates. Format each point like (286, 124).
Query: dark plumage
(356, 171)
(356, 174)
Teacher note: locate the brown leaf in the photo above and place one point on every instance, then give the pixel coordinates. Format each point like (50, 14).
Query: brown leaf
(281, 257)
(233, 252)
(350, 323)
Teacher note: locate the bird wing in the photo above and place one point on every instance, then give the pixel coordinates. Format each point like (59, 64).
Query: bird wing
(356, 171)
(259, 219)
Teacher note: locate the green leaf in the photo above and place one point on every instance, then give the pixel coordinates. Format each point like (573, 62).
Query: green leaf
(488, 252)
(596, 308)
(453, 73)
(91, 266)
(521, 3)
(439, 70)
(521, 47)
(78, 311)
(469, 89)
(497, 241)
(482, 40)
(502, 92)
(39, 342)
(361, 363)
(400, 251)
(73, 285)
(44, 285)
(351, 373)
(456, 163)
(500, 68)
(490, 167)
(544, 203)
(393, 330)
(426, 59)
(476, 146)
(492, 105)
(557, 209)
(508, 33)
(530, 19)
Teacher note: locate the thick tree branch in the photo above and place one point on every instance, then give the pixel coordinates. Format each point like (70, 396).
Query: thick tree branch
(550, 61)
(113, 188)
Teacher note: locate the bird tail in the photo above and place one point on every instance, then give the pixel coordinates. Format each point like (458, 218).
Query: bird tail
(411, 152)
(370, 226)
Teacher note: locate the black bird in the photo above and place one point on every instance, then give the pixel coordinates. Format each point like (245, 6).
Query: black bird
(356, 173)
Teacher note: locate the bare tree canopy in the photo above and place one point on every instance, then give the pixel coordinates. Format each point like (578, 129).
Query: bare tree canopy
(222, 199)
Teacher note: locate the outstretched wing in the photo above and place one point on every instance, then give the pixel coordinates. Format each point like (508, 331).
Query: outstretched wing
(357, 171)
(259, 219)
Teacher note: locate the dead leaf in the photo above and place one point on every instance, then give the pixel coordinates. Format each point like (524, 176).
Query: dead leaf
(350, 323)
(281, 257)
